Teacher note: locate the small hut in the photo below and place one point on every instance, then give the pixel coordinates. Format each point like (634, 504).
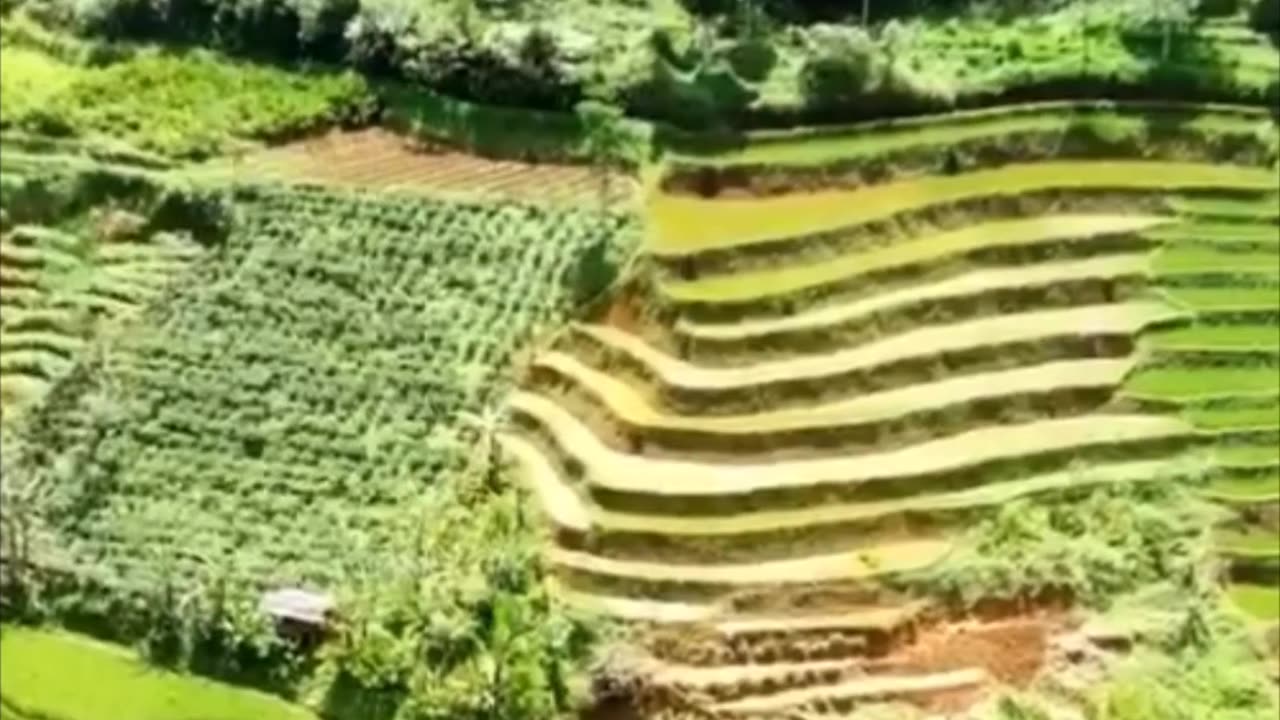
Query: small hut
(299, 614)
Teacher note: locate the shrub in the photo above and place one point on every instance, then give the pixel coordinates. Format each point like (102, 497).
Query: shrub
(1217, 8)
(753, 59)
(677, 46)
(1264, 16)
(197, 104)
(840, 72)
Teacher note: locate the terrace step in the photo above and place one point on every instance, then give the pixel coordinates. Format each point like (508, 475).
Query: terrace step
(758, 529)
(845, 696)
(559, 502)
(916, 257)
(753, 534)
(659, 612)
(862, 423)
(917, 356)
(613, 476)
(686, 226)
(732, 682)
(712, 581)
(971, 295)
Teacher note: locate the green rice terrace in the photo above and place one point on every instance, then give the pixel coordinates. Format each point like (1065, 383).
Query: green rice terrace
(603, 360)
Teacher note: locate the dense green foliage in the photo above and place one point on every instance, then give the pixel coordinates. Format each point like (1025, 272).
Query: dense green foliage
(740, 64)
(190, 104)
(1091, 545)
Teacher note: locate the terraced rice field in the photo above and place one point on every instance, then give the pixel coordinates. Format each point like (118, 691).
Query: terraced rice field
(57, 290)
(1221, 261)
(792, 422)
(377, 158)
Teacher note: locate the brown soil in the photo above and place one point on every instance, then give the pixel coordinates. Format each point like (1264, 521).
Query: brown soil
(376, 157)
(622, 314)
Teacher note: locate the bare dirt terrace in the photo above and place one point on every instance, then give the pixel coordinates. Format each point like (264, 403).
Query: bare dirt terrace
(380, 158)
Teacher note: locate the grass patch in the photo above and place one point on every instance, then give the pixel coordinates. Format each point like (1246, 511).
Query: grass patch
(1259, 543)
(1216, 419)
(29, 79)
(1201, 259)
(1219, 337)
(685, 224)
(1248, 489)
(61, 676)
(1245, 455)
(1267, 208)
(1197, 298)
(1211, 232)
(1259, 601)
(1177, 383)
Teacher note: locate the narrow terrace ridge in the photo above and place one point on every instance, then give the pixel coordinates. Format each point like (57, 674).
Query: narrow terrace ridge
(805, 147)
(1111, 318)
(626, 406)
(558, 501)
(663, 612)
(832, 514)
(562, 501)
(971, 285)
(1263, 209)
(686, 226)
(610, 469)
(968, 241)
(875, 687)
(1218, 234)
(877, 618)
(870, 562)
(726, 679)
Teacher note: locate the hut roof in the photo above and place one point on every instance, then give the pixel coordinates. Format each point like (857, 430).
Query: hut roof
(297, 604)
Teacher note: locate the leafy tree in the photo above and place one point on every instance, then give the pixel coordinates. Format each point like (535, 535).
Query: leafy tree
(1264, 17)
(1171, 15)
(488, 425)
(605, 140)
(840, 71)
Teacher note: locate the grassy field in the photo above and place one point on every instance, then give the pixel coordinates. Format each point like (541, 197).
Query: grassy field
(1260, 601)
(53, 675)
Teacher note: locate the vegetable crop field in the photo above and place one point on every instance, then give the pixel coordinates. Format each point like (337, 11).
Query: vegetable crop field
(313, 370)
(458, 360)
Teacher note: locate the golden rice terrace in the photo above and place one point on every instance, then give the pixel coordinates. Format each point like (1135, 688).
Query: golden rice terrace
(802, 399)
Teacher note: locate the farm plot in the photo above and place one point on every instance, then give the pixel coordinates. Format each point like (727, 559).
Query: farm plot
(825, 423)
(380, 159)
(1223, 370)
(303, 385)
(61, 289)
